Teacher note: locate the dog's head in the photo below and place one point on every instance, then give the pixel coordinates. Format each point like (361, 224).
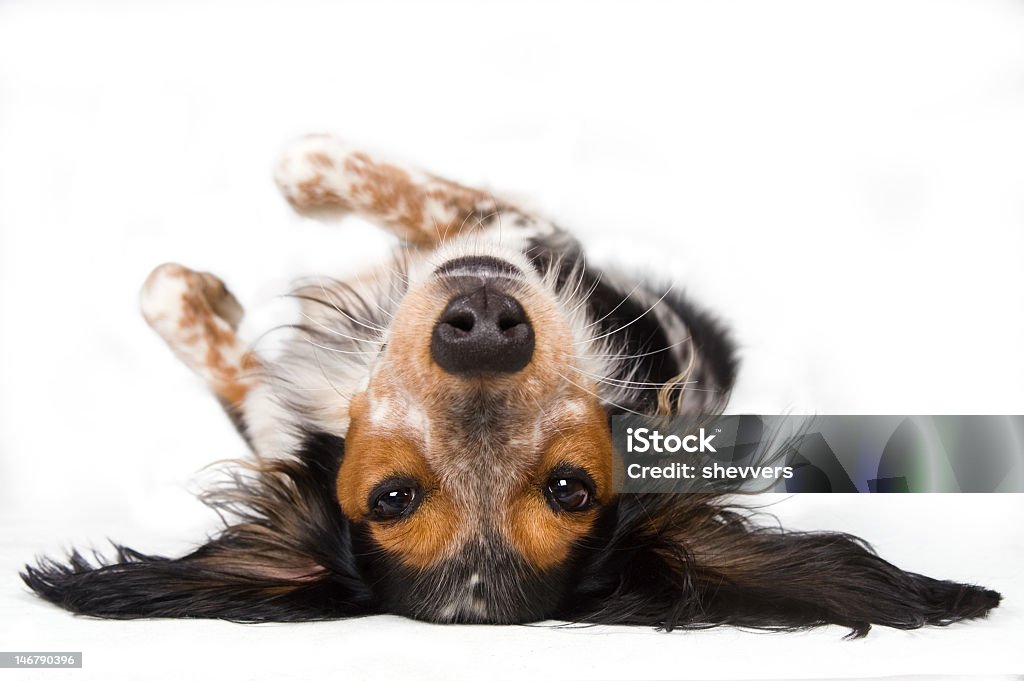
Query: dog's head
(479, 453)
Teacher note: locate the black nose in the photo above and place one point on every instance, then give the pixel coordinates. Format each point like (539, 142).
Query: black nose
(484, 331)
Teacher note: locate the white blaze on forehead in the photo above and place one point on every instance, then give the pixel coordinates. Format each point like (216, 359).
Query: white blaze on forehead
(388, 412)
(415, 417)
(574, 409)
(380, 411)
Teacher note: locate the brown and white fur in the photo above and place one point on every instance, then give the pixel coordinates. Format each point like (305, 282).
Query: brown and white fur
(394, 474)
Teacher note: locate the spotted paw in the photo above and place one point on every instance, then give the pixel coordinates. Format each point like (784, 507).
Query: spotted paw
(311, 174)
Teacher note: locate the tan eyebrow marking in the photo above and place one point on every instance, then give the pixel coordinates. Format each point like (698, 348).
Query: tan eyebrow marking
(371, 456)
(545, 537)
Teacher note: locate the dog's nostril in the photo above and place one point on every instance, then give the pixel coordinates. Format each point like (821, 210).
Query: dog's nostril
(463, 321)
(508, 322)
(486, 331)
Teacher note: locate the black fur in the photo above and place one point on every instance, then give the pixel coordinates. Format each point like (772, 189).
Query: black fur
(749, 576)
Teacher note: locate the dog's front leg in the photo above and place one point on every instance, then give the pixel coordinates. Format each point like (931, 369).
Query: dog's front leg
(322, 173)
(197, 317)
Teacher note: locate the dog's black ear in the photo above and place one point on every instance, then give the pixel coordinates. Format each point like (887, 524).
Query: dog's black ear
(683, 561)
(287, 556)
(225, 579)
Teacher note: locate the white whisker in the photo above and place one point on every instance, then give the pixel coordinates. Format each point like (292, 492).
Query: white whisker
(624, 326)
(341, 352)
(637, 356)
(603, 399)
(627, 383)
(612, 311)
(339, 333)
(316, 356)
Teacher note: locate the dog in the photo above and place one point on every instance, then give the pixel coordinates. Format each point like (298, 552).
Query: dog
(434, 441)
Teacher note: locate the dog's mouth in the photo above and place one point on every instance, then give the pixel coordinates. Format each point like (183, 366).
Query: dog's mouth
(479, 266)
(483, 329)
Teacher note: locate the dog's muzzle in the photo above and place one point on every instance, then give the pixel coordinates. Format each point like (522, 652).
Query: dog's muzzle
(483, 330)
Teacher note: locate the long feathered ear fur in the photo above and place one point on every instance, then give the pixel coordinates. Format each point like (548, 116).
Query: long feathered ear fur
(286, 557)
(690, 561)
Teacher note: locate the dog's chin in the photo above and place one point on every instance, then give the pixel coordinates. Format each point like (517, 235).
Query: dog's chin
(513, 598)
(485, 583)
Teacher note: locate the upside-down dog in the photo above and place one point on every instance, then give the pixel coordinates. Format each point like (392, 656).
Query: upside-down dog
(434, 442)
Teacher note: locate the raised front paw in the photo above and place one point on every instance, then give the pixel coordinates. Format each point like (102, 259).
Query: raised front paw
(197, 317)
(311, 174)
(175, 296)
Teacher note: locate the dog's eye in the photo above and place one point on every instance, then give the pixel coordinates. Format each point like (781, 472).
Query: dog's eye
(394, 501)
(570, 492)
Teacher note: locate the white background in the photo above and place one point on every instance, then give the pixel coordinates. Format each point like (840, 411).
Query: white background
(843, 183)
